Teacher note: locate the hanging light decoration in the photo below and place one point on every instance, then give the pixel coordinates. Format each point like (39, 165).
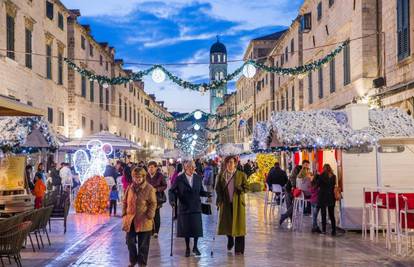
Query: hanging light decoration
(158, 75)
(195, 136)
(198, 114)
(78, 133)
(105, 85)
(249, 70)
(197, 127)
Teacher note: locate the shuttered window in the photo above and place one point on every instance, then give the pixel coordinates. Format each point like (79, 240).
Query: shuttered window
(49, 61)
(130, 113)
(347, 64)
(320, 82)
(310, 89)
(120, 107)
(60, 21)
(126, 111)
(50, 115)
(293, 99)
(10, 36)
(101, 96)
(332, 84)
(319, 10)
(92, 91)
(28, 48)
(83, 87)
(106, 99)
(83, 41)
(60, 68)
(403, 28)
(49, 10)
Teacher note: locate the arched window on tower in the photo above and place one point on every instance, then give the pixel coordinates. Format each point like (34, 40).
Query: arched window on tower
(217, 76)
(219, 58)
(224, 58)
(221, 75)
(212, 58)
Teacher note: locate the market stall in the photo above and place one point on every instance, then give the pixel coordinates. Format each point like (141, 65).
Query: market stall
(21, 139)
(355, 142)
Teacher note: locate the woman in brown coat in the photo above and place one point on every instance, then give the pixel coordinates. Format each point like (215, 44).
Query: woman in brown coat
(138, 214)
(231, 188)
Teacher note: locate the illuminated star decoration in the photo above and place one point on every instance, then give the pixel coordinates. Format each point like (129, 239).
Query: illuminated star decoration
(87, 168)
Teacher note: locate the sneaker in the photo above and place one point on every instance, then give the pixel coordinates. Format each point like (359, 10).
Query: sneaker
(155, 235)
(187, 252)
(196, 252)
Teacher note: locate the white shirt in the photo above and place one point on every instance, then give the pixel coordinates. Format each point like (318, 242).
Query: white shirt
(66, 175)
(189, 179)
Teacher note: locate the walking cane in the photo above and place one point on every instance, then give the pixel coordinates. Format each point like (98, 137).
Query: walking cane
(172, 229)
(214, 234)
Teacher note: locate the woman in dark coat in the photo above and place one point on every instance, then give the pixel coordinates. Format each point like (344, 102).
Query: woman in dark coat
(231, 188)
(326, 199)
(188, 189)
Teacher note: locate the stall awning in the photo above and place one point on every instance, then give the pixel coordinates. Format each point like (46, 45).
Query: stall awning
(11, 107)
(117, 142)
(330, 129)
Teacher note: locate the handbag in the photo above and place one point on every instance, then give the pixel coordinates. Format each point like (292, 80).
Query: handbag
(206, 209)
(161, 198)
(296, 192)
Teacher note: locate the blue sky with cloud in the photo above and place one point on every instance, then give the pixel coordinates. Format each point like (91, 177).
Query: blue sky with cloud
(181, 31)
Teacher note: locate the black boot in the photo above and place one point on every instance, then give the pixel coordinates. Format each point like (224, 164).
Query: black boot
(187, 252)
(196, 251)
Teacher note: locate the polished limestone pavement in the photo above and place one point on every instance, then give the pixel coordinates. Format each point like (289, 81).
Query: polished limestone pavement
(99, 241)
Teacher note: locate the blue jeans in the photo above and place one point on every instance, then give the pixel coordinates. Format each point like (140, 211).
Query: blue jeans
(315, 211)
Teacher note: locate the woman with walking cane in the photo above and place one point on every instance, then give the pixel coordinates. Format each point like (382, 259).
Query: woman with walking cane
(188, 189)
(231, 188)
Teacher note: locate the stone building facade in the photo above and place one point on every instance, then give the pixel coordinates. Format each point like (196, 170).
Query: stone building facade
(377, 64)
(397, 22)
(29, 29)
(35, 38)
(352, 72)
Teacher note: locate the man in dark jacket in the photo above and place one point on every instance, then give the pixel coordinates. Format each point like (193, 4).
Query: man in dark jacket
(276, 176)
(157, 180)
(56, 179)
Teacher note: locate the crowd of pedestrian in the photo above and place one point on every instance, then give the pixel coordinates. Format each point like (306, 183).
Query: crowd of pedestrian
(318, 189)
(54, 179)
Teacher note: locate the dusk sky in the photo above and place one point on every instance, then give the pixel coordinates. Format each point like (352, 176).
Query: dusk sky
(181, 31)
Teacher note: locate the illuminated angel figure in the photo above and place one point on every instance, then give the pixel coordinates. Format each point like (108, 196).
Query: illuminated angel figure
(87, 168)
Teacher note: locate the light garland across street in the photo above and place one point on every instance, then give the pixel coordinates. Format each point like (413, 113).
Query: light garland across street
(160, 73)
(197, 114)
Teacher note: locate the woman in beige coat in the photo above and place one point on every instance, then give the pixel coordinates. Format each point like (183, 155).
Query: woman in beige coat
(138, 214)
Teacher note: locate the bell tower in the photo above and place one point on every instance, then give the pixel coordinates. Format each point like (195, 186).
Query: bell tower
(218, 70)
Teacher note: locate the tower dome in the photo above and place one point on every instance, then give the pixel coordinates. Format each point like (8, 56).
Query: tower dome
(218, 47)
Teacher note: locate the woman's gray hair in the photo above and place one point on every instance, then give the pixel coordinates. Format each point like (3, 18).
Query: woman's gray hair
(188, 163)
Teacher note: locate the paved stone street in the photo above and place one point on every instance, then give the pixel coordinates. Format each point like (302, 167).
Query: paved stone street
(99, 241)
